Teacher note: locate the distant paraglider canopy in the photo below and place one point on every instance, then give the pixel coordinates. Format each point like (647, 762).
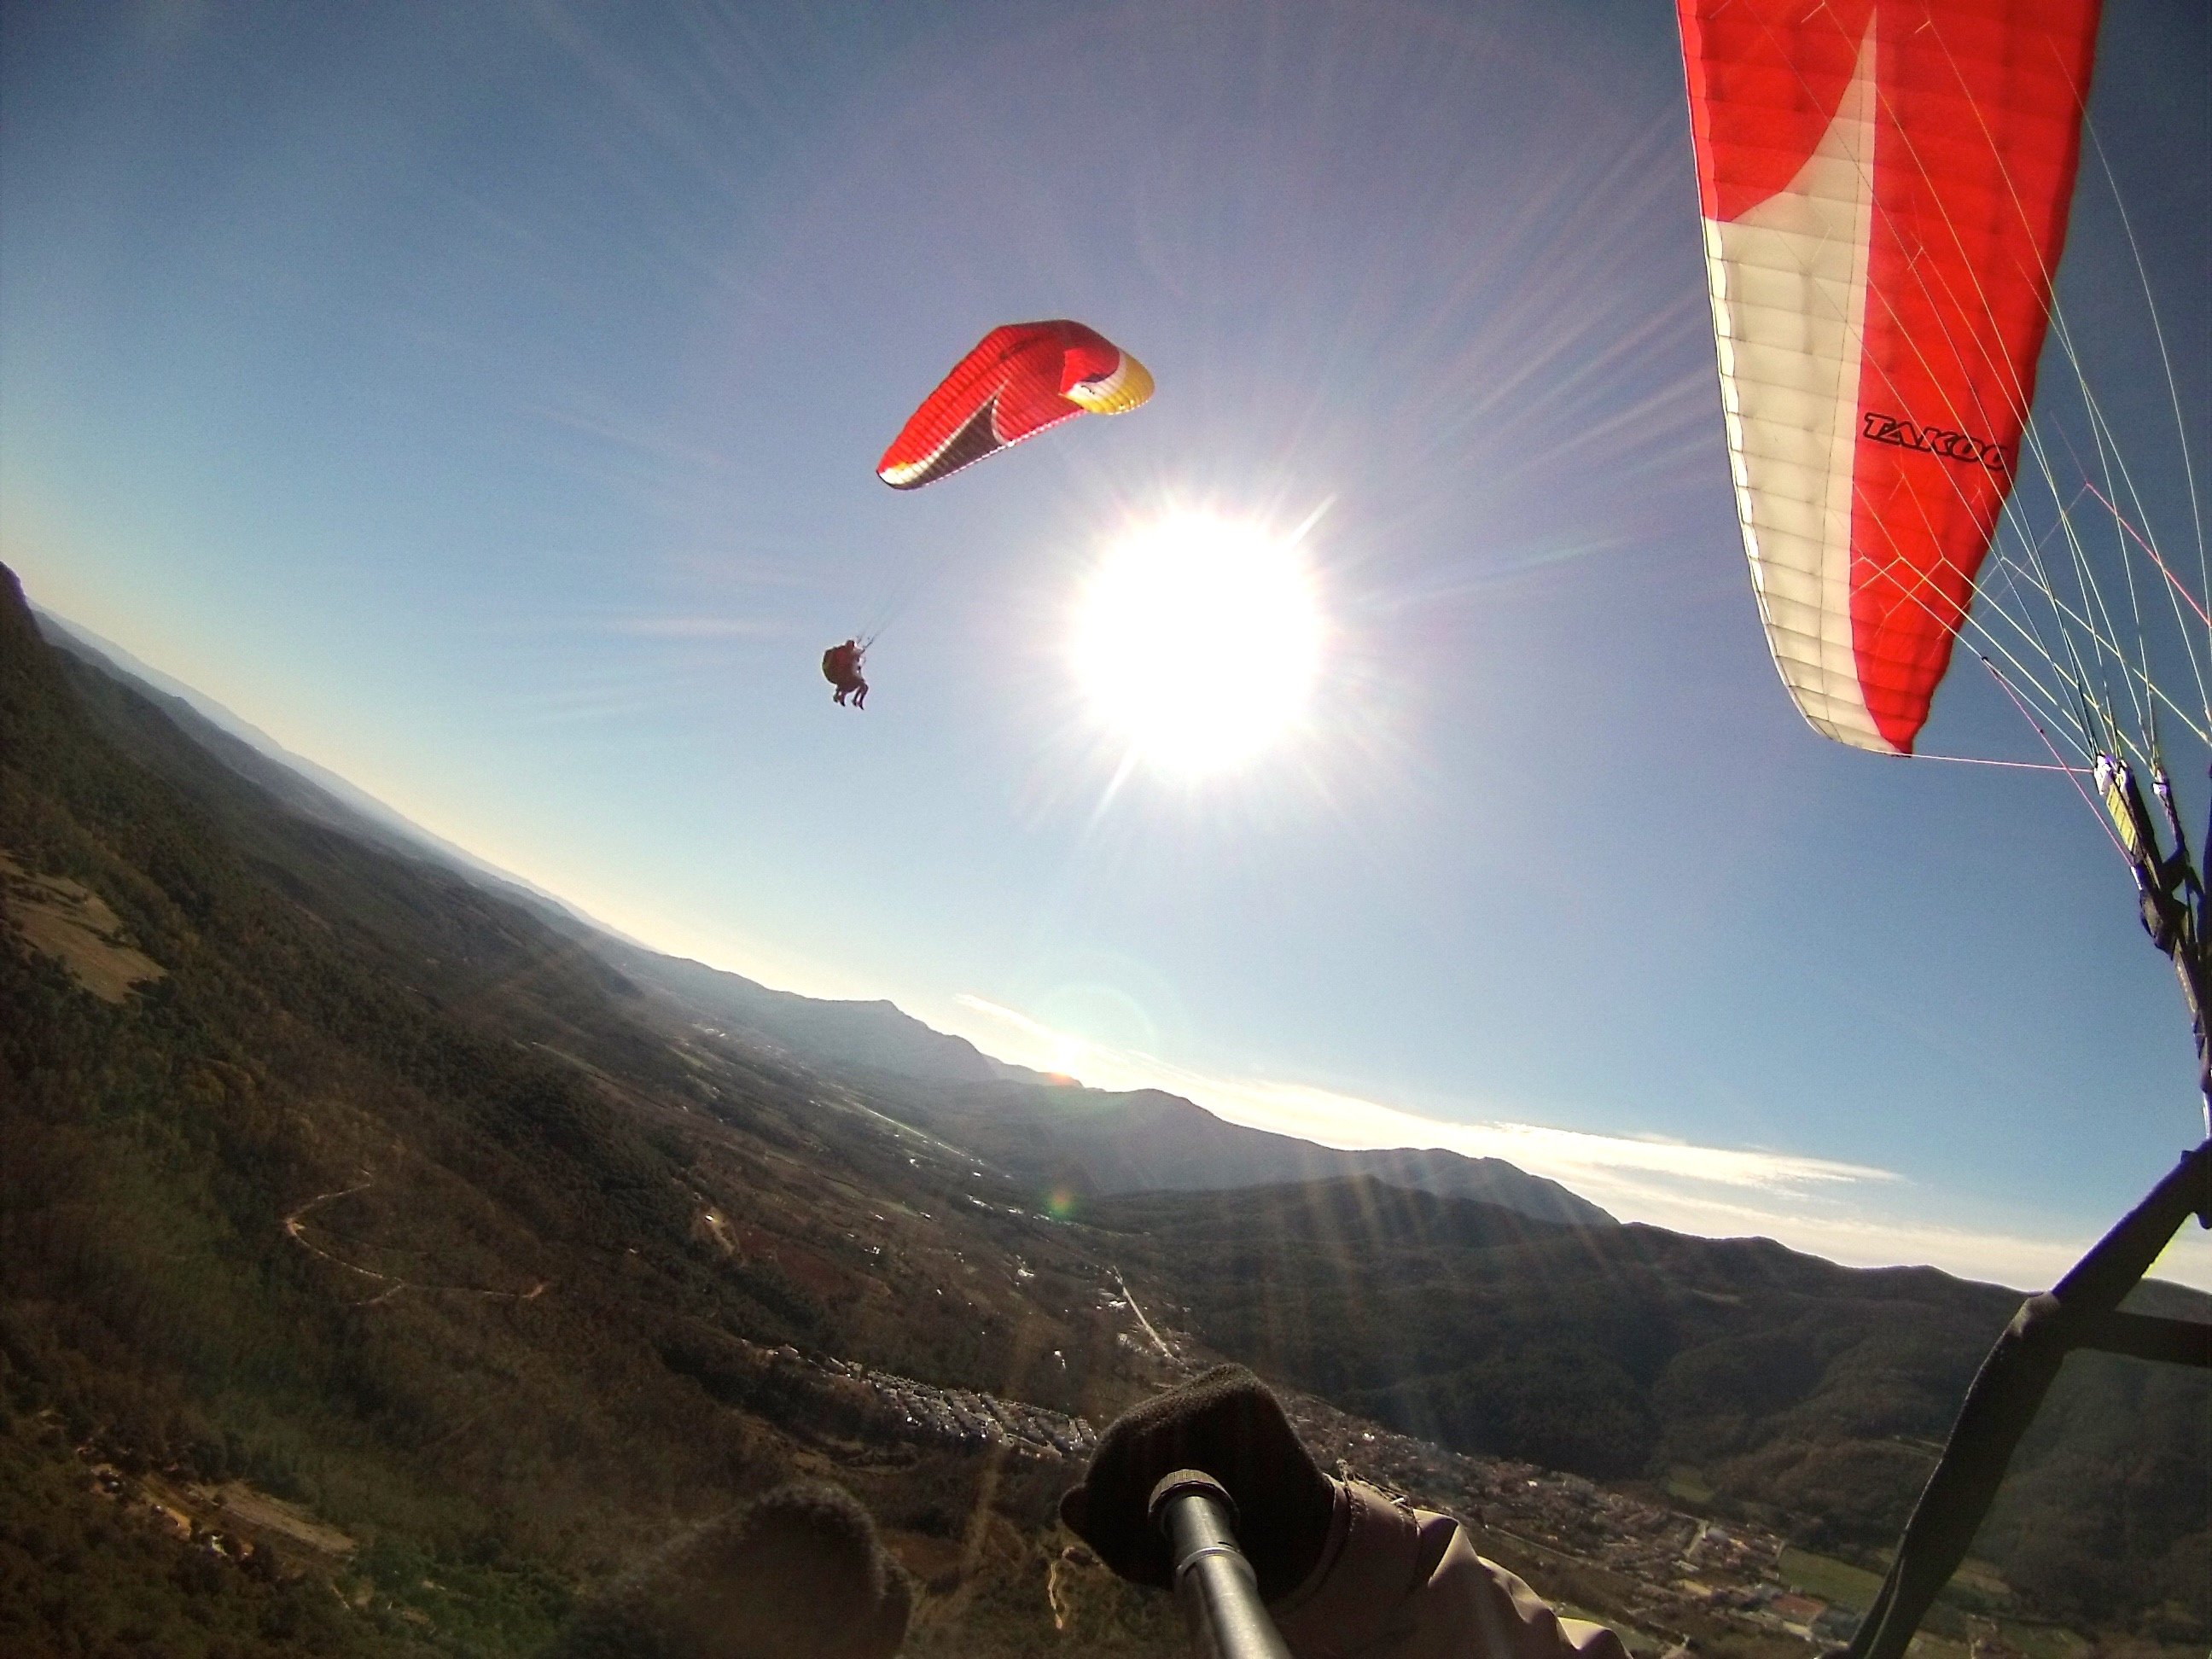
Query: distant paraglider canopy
(1019, 380)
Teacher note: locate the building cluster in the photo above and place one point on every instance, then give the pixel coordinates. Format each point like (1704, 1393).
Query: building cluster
(962, 1417)
(138, 1498)
(1666, 1564)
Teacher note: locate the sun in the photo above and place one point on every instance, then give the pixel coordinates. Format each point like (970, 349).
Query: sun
(1198, 642)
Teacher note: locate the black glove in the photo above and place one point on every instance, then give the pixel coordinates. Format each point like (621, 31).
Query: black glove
(1227, 1423)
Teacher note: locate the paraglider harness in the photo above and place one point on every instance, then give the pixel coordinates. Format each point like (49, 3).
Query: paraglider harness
(2170, 892)
(2083, 1310)
(841, 666)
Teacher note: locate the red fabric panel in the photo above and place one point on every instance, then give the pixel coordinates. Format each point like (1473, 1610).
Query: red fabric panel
(963, 394)
(1977, 135)
(1766, 76)
(1028, 397)
(1090, 357)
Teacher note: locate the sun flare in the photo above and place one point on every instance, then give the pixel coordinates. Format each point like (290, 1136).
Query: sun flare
(1199, 641)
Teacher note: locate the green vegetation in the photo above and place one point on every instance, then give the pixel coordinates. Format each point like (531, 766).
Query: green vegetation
(78, 1575)
(1828, 1578)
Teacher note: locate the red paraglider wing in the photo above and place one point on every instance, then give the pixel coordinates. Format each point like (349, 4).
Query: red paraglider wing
(1020, 379)
(1884, 186)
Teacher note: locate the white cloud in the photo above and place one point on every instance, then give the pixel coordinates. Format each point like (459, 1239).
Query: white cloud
(1020, 1022)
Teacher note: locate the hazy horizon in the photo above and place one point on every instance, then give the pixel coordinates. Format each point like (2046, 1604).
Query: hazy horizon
(1603, 1169)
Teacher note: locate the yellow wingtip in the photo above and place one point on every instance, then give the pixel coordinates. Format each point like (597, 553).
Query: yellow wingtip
(1129, 384)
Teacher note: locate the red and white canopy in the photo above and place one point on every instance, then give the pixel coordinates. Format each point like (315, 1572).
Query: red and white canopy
(1021, 379)
(1884, 186)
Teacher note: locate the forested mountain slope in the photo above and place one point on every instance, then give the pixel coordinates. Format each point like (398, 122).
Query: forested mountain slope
(1083, 1142)
(298, 784)
(378, 1192)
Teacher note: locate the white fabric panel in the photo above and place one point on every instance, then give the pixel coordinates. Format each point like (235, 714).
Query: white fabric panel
(1788, 283)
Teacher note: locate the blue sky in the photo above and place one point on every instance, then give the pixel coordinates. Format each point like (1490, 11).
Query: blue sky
(483, 401)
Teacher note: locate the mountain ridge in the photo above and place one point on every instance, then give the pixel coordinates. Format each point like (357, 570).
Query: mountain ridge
(1101, 1141)
(1090, 1143)
(1123, 1141)
(302, 785)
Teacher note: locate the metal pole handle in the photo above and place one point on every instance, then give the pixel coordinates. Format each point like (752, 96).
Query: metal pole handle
(1215, 1584)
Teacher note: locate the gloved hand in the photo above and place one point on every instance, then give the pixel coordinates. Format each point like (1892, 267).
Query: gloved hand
(1227, 1423)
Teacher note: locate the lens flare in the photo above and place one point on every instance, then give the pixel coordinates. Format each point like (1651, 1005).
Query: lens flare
(1199, 642)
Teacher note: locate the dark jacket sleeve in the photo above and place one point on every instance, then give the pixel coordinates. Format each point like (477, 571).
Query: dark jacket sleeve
(1398, 1582)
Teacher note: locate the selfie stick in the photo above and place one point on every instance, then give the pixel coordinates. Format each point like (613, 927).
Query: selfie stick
(1220, 1595)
